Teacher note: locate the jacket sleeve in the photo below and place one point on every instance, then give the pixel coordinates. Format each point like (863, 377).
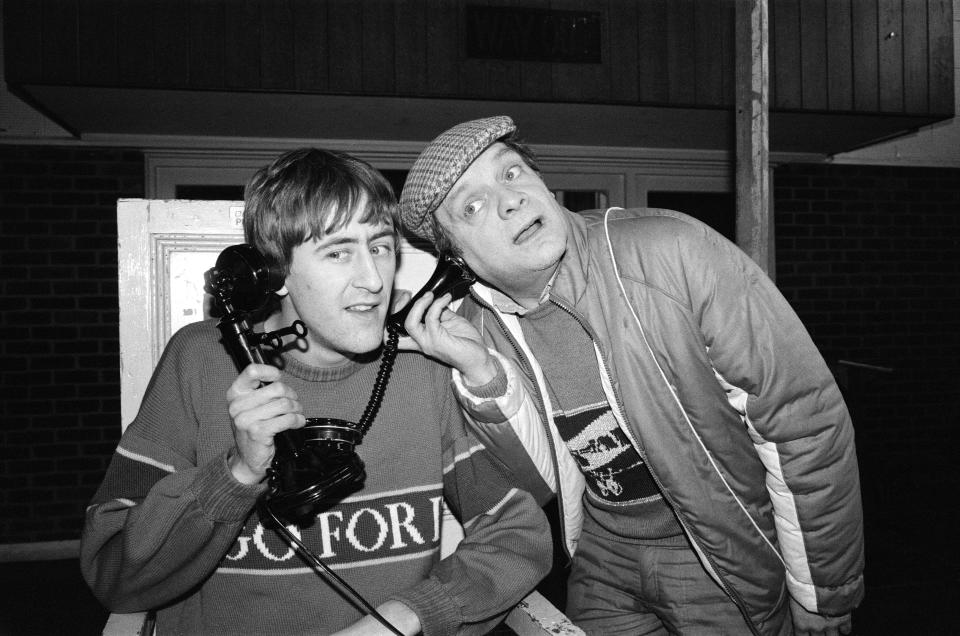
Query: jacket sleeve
(793, 409)
(504, 416)
(505, 552)
(159, 524)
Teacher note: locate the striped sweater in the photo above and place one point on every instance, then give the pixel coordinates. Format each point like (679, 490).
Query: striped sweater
(170, 529)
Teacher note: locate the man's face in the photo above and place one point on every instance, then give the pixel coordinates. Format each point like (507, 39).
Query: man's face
(339, 285)
(507, 223)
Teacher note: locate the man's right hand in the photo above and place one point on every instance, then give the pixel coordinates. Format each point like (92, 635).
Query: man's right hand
(260, 407)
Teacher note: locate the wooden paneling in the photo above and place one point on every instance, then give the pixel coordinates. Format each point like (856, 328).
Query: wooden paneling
(171, 42)
(915, 45)
(940, 28)
(311, 46)
(813, 54)
(206, 42)
(826, 55)
(59, 41)
(866, 93)
(839, 55)
(278, 61)
(411, 29)
(890, 55)
(345, 30)
(653, 74)
(97, 37)
(785, 87)
(681, 64)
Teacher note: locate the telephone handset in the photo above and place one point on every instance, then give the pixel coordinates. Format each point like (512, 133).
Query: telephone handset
(451, 275)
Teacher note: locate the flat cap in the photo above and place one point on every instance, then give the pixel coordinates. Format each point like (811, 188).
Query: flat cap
(440, 165)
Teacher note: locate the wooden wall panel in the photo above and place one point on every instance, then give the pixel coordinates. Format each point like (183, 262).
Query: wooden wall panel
(278, 59)
(242, 43)
(839, 55)
(890, 55)
(97, 38)
(728, 53)
(785, 86)
(345, 28)
(708, 53)
(410, 19)
(583, 82)
(22, 36)
(443, 47)
(622, 25)
(940, 28)
(826, 55)
(135, 61)
(652, 71)
(866, 93)
(915, 55)
(379, 54)
(171, 41)
(311, 46)
(206, 42)
(58, 45)
(681, 65)
(536, 78)
(813, 54)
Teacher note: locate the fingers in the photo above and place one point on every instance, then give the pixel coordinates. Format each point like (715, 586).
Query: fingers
(251, 378)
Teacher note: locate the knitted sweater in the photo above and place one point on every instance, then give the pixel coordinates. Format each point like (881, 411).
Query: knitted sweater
(171, 529)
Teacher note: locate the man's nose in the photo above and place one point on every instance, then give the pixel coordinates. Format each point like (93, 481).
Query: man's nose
(510, 201)
(368, 275)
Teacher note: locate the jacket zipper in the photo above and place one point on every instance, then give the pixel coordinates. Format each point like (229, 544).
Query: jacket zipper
(623, 413)
(541, 407)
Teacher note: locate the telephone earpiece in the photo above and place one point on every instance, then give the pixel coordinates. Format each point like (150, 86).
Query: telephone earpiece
(450, 276)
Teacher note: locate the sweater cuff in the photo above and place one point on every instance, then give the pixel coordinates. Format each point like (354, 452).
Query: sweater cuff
(221, 496)
(438, 614)
(497, 387)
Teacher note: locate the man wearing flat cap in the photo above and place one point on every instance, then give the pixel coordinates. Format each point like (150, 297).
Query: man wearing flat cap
(700, 450)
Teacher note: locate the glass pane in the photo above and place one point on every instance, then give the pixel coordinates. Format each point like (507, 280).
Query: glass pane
(716, 209)
(578, 200)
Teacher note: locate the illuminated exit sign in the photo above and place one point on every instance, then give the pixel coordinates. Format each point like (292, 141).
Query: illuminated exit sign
(536, 35)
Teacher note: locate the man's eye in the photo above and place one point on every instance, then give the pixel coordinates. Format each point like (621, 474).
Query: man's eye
(513, 173)
(472, 208)
(337, 255)
(381, 250)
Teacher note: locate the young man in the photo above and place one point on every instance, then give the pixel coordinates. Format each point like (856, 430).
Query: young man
(701, 451)
(175, 527)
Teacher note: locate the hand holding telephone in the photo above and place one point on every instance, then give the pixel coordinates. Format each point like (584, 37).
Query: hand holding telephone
(450, 276)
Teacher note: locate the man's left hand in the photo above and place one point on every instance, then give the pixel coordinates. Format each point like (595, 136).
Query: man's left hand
(809, 624)
(442, 334)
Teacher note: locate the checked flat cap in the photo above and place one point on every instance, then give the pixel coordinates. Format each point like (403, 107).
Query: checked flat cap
(440, 165)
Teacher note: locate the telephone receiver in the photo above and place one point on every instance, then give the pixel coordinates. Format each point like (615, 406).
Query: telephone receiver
(450, 276)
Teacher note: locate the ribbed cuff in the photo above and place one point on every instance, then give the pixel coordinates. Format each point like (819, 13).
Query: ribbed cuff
(494, 388)
(222, 497)
(438, 614)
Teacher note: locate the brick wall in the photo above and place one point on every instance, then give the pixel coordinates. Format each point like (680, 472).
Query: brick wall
(870, 259)
(868, 256)
(60, 372)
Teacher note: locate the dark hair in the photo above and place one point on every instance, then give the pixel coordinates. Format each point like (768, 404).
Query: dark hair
(308, 193)
(442, 241)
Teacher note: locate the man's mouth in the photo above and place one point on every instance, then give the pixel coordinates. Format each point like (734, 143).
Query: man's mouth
(528, 231)
(363, 308)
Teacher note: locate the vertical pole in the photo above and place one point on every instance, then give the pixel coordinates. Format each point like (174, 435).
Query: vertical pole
(754, 217)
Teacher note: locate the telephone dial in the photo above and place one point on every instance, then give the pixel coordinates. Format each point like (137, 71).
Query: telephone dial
(315, 465)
